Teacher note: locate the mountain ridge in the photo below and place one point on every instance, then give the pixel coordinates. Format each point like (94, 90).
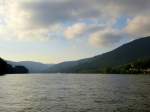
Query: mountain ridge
(124, 54)
(33, 67)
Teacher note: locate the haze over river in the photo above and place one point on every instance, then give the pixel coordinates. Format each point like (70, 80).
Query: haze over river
(74, 93)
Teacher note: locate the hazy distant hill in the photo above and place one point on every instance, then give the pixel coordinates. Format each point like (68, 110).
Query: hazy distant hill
(137, 49)
(6, 68)
(33, 67)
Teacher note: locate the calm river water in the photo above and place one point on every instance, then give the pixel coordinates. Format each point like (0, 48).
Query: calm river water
(74, 93)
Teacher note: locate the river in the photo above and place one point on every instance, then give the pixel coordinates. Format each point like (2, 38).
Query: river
(74, 93)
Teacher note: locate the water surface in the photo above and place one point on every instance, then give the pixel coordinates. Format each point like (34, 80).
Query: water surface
(74, 93)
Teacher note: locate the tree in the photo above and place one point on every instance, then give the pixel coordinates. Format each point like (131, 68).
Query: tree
(3, 67)
(20, 69)
(8, 69)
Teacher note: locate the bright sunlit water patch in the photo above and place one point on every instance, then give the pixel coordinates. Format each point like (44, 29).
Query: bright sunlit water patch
(74, 93)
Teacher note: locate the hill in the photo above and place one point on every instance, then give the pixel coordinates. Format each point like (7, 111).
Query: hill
(6, 68)
(33, 67)
(127, 53)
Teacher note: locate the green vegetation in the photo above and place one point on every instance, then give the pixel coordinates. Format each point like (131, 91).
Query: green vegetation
(120, 58)
(137, 67)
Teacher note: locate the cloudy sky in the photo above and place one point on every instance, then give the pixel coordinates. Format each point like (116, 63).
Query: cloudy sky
(52, 31)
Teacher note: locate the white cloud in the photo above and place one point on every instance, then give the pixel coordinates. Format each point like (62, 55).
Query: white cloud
(106, 37)
(75, 31)
(82, 29)
(139, 26)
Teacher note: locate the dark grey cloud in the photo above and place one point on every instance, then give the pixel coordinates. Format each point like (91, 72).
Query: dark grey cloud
(132, 7)
(46, 12)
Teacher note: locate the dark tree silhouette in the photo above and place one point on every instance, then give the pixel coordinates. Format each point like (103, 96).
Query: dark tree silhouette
(8, 69)
(3, 67)
(20, 69)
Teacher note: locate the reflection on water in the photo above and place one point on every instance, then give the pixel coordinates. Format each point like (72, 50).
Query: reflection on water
(74, 93)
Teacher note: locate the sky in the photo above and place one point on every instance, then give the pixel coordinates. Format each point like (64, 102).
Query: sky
(53, 31)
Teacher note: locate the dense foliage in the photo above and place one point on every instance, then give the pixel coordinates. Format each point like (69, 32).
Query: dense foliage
(3, 67)
(20, 69)
(137, 67)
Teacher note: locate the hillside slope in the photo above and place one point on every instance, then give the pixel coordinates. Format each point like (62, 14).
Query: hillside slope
(132, 51)
(33, 67)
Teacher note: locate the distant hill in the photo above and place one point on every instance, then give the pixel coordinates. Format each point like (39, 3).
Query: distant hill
(33, 67)
(6, 68)
(127, 53)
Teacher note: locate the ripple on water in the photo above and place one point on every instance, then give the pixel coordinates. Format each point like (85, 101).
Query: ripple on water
(74, 93)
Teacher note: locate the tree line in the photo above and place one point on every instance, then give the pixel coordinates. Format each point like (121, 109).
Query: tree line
(141, 66)
(9, 69)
